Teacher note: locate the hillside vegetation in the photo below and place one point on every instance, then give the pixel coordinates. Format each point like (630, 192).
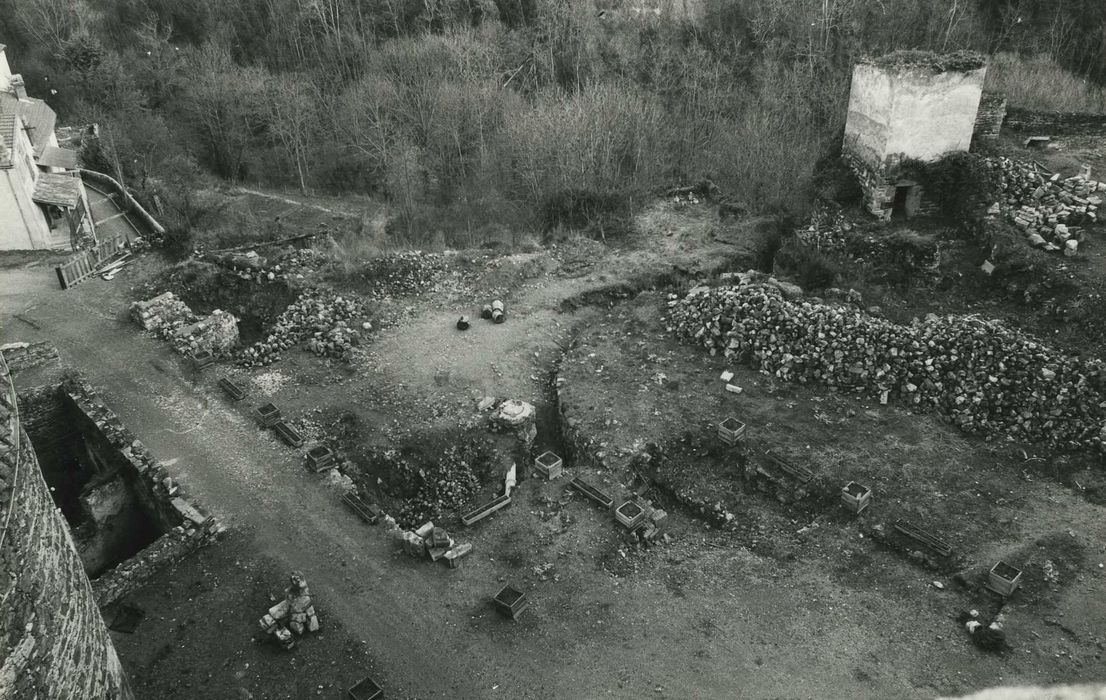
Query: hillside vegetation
(472, 117)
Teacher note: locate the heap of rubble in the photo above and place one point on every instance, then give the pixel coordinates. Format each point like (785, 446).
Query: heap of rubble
(987, 378)
(322, 318)
(402, 274)
(216, 333)
(1050, 209)
(170, 319)
(162, 314)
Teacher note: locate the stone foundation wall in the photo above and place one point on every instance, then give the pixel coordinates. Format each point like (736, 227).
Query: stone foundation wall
(53, 641)
(1055, 123)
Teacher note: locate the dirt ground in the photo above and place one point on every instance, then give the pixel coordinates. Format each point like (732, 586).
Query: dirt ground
(794, 603)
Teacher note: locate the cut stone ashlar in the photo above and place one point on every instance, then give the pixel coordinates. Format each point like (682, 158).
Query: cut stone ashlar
(1004, 579)
(856, 497)
(549, 464)
(731, 431)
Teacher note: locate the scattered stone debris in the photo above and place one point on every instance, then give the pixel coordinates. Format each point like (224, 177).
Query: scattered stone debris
(1047, 208)
(294, 615)
(989, 637)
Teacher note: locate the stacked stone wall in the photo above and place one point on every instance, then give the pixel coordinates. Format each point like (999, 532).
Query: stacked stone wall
(989, 118)
(1055, 123)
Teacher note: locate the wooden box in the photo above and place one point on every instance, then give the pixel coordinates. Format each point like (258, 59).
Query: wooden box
(856, 497)
(731, 431)
(549, 464)
(1003, 578)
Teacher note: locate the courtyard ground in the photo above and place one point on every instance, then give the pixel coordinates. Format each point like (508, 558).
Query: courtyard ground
(791, 602)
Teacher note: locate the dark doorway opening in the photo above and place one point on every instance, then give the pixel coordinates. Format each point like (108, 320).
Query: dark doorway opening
(899, 206)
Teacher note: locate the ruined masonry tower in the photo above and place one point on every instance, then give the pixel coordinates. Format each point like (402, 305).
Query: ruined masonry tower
(905, 106)
(53, 642)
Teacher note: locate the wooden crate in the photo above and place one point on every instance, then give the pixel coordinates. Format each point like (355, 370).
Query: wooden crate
(510, 601)
(235, 392)
(362, 508)
(367, 689)
(630, 514)
(731, 431)
(288, 434)
(856, 497)
(268, 414)
(1004, 579)
(319, 458)
(592, 492)
(477, 514)
(202, 359)
(549, 464)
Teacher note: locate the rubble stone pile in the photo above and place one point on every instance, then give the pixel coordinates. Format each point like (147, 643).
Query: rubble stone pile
(251, 266)
(1050, 209)
(987, 378)
(163, 314)
(170, 319)
(216, 333)
(402, 274)
(326, 321)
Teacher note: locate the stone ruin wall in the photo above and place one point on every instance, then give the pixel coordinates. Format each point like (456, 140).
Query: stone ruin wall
(1042, 123)
(905, 113)
(53, 641)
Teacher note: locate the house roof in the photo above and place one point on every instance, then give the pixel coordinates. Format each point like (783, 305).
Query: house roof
(7, 138)
(58, 189)
(54, 157)
(38, 118)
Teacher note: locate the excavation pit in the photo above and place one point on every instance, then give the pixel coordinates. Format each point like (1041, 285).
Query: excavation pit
(113, 512)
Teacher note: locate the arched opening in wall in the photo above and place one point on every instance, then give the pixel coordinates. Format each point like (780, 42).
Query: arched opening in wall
(110, 510)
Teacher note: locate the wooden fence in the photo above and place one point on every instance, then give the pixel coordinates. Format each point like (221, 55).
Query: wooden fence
(84, 264)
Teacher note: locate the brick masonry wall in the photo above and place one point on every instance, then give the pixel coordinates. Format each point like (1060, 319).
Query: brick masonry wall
(1055, 123)
(989, 118)
(53, 641)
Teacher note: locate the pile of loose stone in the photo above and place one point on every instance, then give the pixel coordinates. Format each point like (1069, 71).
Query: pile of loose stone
(330, 324)
(170, 319)
(1050, 209)
(987, 378)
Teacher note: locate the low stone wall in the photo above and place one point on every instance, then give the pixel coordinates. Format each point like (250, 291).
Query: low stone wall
(989, 118)
(24, 356)
(136, 571)
(132, 205)
(1055, 123)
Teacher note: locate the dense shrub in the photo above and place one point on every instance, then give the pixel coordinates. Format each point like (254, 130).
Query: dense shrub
(960, 183)
(809, 267)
